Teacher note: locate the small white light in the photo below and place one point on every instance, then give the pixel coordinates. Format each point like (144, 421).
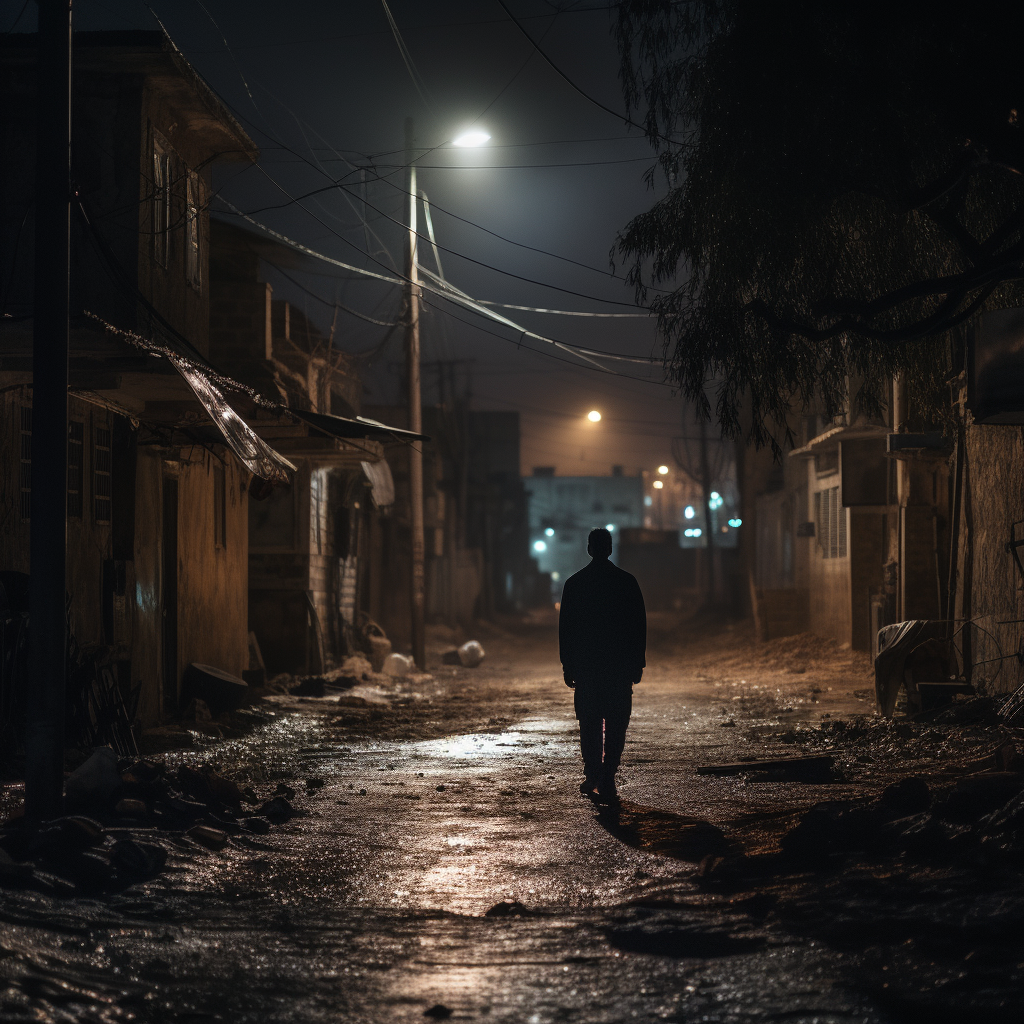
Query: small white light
(467, 140)
(687, 533)
(610, 527)
(696, 532)
(648, 500)
(539, 545)
(689, 512)
(594, 416)
(663, 470)
(549, 532)
(555, 576)
(715, 495)
(657, 485)
(735, 522)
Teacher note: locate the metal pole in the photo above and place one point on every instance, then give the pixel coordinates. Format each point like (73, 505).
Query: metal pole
(412, 353)
(44, 727)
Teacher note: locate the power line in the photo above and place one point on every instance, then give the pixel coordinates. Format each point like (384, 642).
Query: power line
(561, 74)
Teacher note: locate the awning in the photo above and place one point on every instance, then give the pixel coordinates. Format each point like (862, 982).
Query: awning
(382, 484)
(254, 453)
(360, 426)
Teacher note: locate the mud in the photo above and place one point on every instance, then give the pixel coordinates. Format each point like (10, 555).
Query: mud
(443, 798)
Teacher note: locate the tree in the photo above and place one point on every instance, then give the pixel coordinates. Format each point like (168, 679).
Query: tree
(845, 190)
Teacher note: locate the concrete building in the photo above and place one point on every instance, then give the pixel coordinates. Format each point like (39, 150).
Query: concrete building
(564, 509)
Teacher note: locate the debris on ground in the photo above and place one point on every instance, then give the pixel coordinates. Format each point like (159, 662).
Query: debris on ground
(219, 689)
(811, 767)
(471, 654)
(398, 665)
(93, 850)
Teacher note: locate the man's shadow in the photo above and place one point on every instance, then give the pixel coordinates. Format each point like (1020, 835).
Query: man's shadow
(671, 835)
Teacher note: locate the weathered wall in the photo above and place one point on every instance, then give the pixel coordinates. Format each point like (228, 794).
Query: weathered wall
(212, 578)
(146, 600)
(989, 587)
(867, 544)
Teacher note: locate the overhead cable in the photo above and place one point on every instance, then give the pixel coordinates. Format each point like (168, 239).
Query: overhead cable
(565, 78)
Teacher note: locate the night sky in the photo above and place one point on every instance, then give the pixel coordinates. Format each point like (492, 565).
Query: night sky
(324, 91)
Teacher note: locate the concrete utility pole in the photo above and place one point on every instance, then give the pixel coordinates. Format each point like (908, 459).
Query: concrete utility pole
(44, 727)
(412, 354)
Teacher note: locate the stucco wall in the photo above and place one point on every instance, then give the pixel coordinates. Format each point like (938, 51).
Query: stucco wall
(212, 579)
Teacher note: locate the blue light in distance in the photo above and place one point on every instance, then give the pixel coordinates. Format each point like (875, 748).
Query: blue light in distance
(539, 545)
(549, 532)
(735, 522)
(689, 512)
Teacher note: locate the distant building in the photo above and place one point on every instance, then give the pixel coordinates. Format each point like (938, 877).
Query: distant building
(564, 509)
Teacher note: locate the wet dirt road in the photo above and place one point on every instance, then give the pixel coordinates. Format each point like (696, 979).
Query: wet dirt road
(374, 906)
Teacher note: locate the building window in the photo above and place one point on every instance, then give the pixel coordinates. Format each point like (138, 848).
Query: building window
(830, 523)
(193, 222)
(76, 457)
(25, 500)
(101, 463)
(316, 502)
(161, 201)
(220, 511)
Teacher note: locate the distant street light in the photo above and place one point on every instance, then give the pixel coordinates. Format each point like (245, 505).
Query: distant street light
(549, 532)
(471, 139)
(689, 512)
(663, 470)
(657, 485)
(594, 416)
(539, 545)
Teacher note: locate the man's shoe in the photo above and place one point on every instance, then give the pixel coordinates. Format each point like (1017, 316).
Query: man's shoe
(588, 788)
(607, 793)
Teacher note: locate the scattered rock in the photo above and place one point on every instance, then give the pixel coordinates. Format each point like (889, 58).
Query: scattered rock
(286, 791)
(129, 808)
(277, 809)
(398, 665)
(309, 686)
(197, 711)
(439, 1012)
(508, 908)
(211, 838)
(258, 826)
(96, 782)
(471, 654)
(137, 860)
(908, 796)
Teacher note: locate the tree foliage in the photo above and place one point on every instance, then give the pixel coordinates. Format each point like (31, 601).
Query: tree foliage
(845, 189)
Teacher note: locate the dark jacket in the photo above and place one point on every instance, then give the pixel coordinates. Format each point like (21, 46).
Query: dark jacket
(602, 624)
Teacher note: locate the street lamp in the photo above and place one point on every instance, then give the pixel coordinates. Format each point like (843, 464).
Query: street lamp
(474, 137)
(594, 416)
(663, 470)
(471, 139)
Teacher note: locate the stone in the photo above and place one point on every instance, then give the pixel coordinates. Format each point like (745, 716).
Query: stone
(137, 860)
(906, 797)
(398, 665)
(277, 809)
(439, 1012)
(258, 826)
(129, 808)
(211, 838)
(96, 782)
(471, 653)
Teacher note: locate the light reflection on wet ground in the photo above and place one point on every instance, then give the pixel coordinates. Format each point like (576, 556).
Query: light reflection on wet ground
(371, 907)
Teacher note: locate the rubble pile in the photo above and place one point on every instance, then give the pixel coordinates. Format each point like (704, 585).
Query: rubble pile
(120, 811)
(978, 820)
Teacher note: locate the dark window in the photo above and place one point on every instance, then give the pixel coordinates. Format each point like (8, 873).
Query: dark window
(220, 512)
(161, 201)
(25, 501)
(193, 204)
(101, 464)
(76, 455)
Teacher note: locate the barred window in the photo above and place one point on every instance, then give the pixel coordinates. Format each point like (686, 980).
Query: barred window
(76, 462)
(25, 499)
(161, 201)
(193, 204)
(101, 463)
(830, 523)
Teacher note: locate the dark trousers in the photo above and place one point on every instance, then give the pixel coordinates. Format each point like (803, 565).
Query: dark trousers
(603, 710)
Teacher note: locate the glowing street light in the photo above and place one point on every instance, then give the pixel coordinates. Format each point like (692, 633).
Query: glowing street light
(689, 512)
(549, 532)
(657, 485)
(594, 416)
(663, 470)
(539, 546)
(471, 139)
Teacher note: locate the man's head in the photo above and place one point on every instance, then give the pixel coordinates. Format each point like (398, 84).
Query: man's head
(599, 544)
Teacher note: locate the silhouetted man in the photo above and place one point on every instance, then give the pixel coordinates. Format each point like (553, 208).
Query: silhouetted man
(602, 639)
